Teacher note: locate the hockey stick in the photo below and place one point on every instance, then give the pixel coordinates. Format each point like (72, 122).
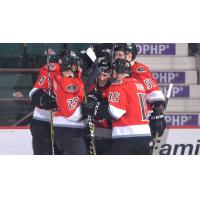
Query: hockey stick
(51, 111)
(92, 147)
(23, 119)
(157, 139)
(93, 72)
(93, 76)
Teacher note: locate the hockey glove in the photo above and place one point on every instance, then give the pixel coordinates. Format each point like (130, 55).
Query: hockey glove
(157, 121)
(92, 105)
(48, 102)
(41, 99)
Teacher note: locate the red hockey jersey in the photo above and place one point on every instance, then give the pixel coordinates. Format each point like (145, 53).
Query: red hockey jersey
(127, 105)
(141, 72)
(43, 83)
(69, 96)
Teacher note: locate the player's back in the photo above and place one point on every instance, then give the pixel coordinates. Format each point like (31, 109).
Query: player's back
(128, 97)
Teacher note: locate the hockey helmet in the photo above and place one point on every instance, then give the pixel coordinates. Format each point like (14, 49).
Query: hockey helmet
(122, 66)
(127, 47)
(53, 58)
(104, 63)
(70, 61)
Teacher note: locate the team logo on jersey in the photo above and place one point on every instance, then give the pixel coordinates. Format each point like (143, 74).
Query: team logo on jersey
(141, 69)
(71, 88)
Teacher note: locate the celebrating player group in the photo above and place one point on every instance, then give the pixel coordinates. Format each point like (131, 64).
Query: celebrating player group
(98, 100)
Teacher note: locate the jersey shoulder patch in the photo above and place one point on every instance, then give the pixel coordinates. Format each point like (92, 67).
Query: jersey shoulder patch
(139, 68)
(53, 67)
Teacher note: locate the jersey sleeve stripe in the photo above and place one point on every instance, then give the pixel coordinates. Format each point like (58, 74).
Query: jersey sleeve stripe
(155, 96)
(33, 91)
(116, 113)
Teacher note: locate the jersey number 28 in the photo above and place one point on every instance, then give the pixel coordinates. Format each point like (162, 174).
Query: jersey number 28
(72, 103)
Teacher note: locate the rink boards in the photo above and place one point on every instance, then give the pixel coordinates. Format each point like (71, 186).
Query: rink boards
(177, 141)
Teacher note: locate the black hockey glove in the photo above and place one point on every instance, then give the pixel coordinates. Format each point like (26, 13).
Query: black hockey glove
(41, 99)
(157, 121)
(96, 106)
(92, 105)
(103, 112)
(48, 102)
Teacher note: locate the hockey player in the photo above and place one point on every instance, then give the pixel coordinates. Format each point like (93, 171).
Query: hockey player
(127, 105)
(141, 72)
(69, 133)
(40, 124)
(128, 111)
(103, 127)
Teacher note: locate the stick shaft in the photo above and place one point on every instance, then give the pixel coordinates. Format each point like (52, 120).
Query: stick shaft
(51, 111)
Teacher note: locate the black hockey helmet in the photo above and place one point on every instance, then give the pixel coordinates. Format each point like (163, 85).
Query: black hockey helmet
(105, 66)
(53, 58)
(122, 66)
(104, 62)
(127, 47)
(70, 60)
(100, 48)
(62, 53)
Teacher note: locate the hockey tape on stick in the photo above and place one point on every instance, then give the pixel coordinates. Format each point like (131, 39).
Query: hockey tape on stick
(90, 53)
(169, 90)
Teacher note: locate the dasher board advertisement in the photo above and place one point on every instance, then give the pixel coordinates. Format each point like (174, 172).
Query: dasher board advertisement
(179, 142)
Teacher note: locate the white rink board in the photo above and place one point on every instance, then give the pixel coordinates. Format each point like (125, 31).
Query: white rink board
(182, 49)
(179, 142)
(15, 142)
(18, 141)
(186, 105)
